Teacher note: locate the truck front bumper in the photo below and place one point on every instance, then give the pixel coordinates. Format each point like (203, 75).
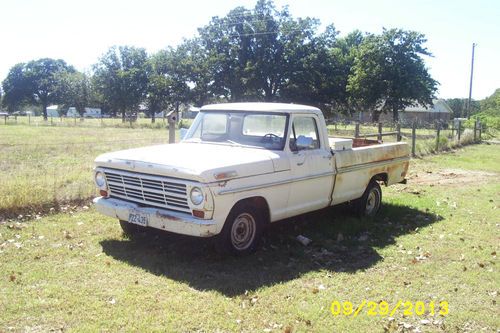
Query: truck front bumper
(180, 223)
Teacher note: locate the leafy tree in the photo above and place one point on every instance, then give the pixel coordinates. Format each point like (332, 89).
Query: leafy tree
(258, 54)
(491, 104)
(389, 73)
(75, 89)
(166, 82)
(121, 78)
(459, 107)
(34, 82)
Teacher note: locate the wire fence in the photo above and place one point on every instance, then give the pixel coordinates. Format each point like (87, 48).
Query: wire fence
(63, 121)
(52, 164)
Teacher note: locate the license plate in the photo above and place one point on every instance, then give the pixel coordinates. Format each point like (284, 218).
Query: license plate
(138, 218)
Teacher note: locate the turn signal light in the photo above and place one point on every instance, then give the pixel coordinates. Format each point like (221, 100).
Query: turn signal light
(103, 193)
(198, 213)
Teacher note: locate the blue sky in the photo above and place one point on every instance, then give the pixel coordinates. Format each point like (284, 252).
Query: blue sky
(81, 31)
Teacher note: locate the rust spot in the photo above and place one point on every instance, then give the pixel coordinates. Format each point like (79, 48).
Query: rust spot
(166, 216)
(363, 142)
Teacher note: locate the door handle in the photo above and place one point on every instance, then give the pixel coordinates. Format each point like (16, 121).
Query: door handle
(300, 163)
(328, 157)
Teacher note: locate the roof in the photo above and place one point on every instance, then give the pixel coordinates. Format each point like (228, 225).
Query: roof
(439, 106)
(260, 107)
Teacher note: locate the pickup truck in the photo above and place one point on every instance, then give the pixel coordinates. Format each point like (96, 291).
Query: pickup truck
(240, 167)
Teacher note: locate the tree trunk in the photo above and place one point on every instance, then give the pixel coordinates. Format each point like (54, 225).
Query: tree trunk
(375, 116)
(123, 116)
(395, 114)
(153, 116)
(44, 111)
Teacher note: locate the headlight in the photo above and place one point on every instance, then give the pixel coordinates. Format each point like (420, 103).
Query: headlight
(196, 196)
(100, 180)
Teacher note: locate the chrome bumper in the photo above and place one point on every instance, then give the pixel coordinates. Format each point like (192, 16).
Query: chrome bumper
(180, 223)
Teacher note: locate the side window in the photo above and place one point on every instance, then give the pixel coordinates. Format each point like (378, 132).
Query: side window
(304, 134)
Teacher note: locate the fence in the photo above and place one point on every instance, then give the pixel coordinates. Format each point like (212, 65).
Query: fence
(88, 122)
(431, 139)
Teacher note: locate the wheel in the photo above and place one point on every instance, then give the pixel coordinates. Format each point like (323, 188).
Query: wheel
(369, 203)
(129, 229)
(241, 232)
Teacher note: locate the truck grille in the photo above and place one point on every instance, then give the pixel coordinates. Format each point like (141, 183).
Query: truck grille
(149, 190)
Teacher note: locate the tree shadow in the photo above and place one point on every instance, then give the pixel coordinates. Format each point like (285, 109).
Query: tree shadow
(340, 243)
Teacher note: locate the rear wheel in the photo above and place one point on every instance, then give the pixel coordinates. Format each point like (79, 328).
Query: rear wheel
(129, 229)
(242, 230)
(369, 204)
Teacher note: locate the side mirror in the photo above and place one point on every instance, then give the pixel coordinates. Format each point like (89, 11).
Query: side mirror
(183, 133)
(304, 142)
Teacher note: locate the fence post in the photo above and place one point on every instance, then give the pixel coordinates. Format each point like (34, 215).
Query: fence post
(438, 130)
(29, 119)
(413, 138)
(356, 130)
(459, 130)
(398, 129)
(51, 120)
(379, 137)
(475, 129)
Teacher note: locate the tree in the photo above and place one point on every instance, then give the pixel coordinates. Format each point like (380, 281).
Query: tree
(259, 54)
(459, 106)
(35, 82)
(75, 90)
(120, 77)
(166, 82)
(389, 73)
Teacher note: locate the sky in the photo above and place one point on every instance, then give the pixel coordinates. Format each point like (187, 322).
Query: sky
(81, 31)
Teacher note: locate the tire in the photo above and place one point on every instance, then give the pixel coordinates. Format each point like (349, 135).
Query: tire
(369, 204)
(131, 230)
(242, 231)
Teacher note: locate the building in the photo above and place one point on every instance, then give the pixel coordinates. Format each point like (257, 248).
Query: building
(440, 111)
(52, 111)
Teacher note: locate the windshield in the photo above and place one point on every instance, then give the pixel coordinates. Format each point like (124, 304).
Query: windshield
(263, 130)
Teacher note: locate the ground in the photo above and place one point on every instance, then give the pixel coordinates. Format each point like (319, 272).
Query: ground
(436, 239)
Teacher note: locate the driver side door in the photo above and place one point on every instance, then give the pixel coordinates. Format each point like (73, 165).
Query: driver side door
(311, 166)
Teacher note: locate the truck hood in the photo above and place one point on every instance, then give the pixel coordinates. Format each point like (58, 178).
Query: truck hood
(194, 161)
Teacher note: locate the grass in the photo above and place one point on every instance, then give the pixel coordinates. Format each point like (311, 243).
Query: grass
(74, 271)
(46, 166)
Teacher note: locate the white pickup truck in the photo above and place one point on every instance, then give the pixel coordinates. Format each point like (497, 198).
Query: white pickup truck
(240, 167)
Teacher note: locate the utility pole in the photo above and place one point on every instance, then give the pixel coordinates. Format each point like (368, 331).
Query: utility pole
(470, 86)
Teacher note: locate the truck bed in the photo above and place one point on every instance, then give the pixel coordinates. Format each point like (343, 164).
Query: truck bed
(355, 167)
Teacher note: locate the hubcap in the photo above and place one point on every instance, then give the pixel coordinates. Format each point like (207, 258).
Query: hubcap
(243, 231)
(371, 202)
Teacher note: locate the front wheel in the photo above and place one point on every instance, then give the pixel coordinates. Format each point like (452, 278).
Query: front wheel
(242, 231)
(369, 204)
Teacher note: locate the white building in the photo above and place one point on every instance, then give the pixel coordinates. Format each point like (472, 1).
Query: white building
(52, 111)
(89, 112)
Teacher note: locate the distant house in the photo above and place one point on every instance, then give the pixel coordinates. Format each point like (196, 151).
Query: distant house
(89, 112)
(72, 112)
(92, 113)
(52, 111)
(439, 111)
(191, 112)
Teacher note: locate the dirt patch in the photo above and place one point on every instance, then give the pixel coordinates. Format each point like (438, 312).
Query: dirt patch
(451, 177)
